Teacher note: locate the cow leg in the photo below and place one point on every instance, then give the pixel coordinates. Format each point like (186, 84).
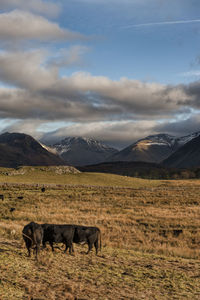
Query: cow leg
(29, 252)
(28, 246)
(71, 249)
(36, 251)
(66, 247)
(70, 246)
(89, 247)
(96, 244)
(51, 244)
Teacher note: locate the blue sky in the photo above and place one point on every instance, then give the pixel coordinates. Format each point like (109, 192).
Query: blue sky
(130, 42)
(111, 70)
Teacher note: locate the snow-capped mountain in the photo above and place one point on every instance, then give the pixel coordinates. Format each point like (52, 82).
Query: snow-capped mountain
(79, 151)
(153, 148)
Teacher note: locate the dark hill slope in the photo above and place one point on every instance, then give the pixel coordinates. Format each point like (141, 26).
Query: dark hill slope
(17, 149)
(133, 169)
(188, 156)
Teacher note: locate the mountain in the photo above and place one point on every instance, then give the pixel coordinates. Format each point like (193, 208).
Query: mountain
(186, 156)
(153, 148)
(79, 151)
(17, 149)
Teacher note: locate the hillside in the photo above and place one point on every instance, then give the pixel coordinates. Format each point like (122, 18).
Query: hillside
(66, 176)
(153, 148)
(124, 168)
(18, 149)
(142, 170)
(185, 157)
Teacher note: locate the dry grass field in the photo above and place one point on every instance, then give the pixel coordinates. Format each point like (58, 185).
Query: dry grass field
(150, 237)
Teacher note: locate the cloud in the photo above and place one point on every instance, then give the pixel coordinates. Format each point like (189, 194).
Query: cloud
(93, 104)
(21, 25)
(48, 8)
(175, 22)
(83, 96)
(117, 134)
(26, 126)
(25, 69)
(73, 56)
(130, 95)
(180, 127)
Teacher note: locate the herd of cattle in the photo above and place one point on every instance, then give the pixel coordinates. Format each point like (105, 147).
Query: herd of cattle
(35, 234)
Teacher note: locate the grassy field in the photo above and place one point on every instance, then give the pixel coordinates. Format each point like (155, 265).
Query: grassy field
(150, 236)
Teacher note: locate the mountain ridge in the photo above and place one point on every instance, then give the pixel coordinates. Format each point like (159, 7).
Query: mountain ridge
(80, 151)
(153, 148)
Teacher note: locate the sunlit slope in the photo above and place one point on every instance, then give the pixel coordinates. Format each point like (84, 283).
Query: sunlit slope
(56, 175)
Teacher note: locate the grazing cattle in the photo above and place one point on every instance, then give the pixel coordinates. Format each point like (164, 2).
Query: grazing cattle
(20, 197)
(2, 197)
(33, 235)
(89, 235)
(12, 209)
(56, 233)
(43, 189)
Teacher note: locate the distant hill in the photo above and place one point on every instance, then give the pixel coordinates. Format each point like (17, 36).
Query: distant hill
(153, 148)
(18, 149)
(133, 169)
(142, 170)
(79, 151)
(188, 156)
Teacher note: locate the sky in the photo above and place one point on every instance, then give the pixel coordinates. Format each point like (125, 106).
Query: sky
(112, 70)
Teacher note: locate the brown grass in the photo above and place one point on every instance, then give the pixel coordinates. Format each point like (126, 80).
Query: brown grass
(150, 234)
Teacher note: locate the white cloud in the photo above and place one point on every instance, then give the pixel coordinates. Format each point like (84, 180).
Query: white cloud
(120, 133)
(48, 8)
(25, 69)
(20, 25)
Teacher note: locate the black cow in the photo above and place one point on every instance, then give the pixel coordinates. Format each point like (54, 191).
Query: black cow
(33, 235)
(89, 235)
(56, 233)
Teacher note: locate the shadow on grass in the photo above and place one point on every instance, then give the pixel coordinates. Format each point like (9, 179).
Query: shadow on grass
(10, 247)
(5, 250)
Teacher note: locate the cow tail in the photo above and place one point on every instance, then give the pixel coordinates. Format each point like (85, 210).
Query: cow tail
(28, 237)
